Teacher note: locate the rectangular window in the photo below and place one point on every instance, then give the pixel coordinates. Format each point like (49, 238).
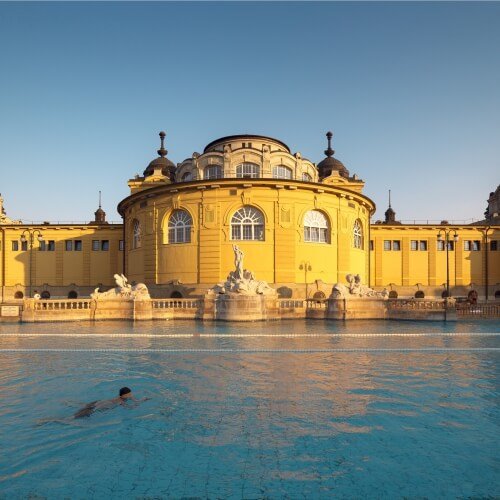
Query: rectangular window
(42, 246)
(467, 245)
(476, 246)
(69, 245)
(451, 246)
(121, 245)
(494, 245)
(78, 245)
(396, 245)
(387, 245)
(24, 246)
(440, 245)
(95, 245)
(371, 245)
(15, 245)
(414, 245)
(51, 246)
(423, 245)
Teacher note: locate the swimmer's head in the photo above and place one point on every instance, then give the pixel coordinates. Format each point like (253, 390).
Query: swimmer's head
(125, 393)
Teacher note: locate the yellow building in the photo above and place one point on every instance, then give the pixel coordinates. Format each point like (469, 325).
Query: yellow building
(302, 228)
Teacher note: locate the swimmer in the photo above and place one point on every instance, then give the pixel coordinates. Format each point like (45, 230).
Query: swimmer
(125, 395)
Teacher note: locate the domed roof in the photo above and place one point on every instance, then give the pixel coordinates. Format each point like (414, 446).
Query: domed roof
(331, 164)
(167, 167)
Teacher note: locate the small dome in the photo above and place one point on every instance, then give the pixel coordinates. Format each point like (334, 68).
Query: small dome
(167, 167)
(331, 164)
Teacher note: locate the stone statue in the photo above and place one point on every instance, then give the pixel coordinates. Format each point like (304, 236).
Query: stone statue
(355, 289)
(238, 261)
(122, 291)
(3, 215)
(242, 280)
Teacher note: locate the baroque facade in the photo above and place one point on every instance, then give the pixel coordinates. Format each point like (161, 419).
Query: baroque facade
(302, 227)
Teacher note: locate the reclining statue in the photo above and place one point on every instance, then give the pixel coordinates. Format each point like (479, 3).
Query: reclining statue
(123, 290)
(355, 289)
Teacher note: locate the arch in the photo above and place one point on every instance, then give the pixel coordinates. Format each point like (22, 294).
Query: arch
(73, 294)
(247, 224)
(136, 234)
(186, 177)
(393, 294)
(316, 227)
(213, 172)
(420, 294)
(282, 172)
(497, 294)
(248, 171)
(45, 294)
(176, 295)
(19, 295)
(357, 234)
(306, 177)
(319, 295)
(179, 227)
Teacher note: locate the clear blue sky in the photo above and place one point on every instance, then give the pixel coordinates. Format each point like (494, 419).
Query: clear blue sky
(410, 90)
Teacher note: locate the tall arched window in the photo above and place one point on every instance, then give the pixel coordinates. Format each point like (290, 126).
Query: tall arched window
(282, 172)
(316, 227)
(136, 234)
(247, 224)
(248, 171)
(179, 227)
(306, 177)
(187, 176)
(358, 234)
(214, 172)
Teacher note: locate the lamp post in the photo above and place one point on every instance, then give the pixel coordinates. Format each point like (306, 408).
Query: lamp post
(447, 233)
(305, 266)
(31, 233)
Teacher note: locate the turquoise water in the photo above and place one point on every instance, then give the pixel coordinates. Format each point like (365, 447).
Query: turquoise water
(282, 410)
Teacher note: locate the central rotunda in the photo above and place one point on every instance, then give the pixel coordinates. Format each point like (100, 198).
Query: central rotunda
(301, 226)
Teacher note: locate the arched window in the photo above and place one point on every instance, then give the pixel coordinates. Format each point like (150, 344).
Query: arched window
(306, 177)
(315, 227)
(136, 234)
(176, 295)
(358, 234)
(72, 295)
(45, 294)
(282, 172)
(247, 224)
(393, 294)
(420, 294)
(179, 227)
(214, 172)
(186, 177)
(248, 171)
(19, 295)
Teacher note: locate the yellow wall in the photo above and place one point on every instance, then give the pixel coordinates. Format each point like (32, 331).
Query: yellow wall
(60, 270)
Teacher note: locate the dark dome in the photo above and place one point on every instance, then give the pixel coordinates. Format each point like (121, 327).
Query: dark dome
(167, 167)
(331, 164)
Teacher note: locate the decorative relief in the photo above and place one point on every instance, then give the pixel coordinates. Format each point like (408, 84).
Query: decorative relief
(246, 197)
(176, 202)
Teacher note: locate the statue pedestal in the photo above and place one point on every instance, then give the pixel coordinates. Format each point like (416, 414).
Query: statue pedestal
(123, 309)
(357, 308)
(240, 307)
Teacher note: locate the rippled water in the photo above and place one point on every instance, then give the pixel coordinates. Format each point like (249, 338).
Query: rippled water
(292, 409)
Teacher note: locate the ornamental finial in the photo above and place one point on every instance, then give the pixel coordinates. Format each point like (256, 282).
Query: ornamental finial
(329, 152)
(162, 151)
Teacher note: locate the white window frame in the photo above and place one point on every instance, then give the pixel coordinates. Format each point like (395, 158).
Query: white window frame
(136, 234)
(316, 227)
(213, 172)
(282, 172)
(180, 223)
(357, 233)
(248, 171)
(307, 177)
(247, 224)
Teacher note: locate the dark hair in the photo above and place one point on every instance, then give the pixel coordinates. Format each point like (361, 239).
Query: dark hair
(124, 390)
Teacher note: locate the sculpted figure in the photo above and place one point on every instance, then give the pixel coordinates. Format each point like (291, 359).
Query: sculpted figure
(238, 261)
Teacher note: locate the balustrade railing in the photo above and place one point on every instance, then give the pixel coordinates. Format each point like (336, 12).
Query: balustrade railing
(415, 304)
(478, 310)
(60, 305)
(291, 304)
(176, 303)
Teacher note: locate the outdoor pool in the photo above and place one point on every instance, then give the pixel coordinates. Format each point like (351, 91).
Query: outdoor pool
(299, 409)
